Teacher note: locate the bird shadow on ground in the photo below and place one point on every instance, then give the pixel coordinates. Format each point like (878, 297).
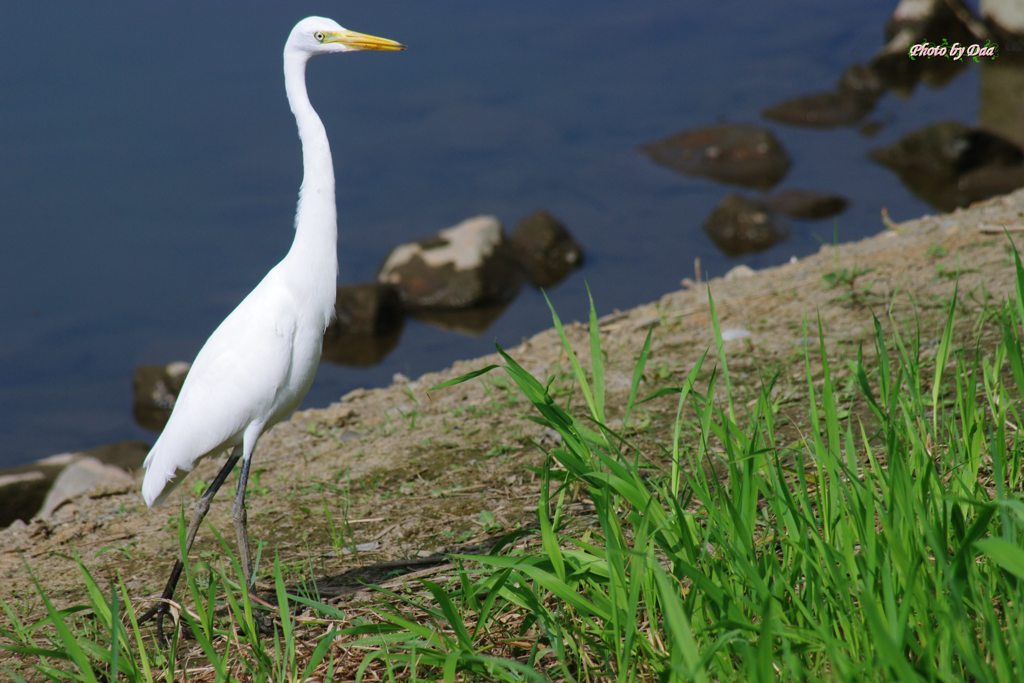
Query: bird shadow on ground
(396, 573)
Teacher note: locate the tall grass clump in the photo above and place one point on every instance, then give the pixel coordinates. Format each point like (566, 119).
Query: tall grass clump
(880, 537)
(873, 532)
(101, 640)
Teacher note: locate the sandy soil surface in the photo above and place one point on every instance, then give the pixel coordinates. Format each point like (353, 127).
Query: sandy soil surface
(406, 472)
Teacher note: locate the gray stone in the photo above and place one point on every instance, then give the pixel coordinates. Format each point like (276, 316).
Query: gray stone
(462, 266)
(24, 489)
(80, 477)
(735, 333)
(739, 272)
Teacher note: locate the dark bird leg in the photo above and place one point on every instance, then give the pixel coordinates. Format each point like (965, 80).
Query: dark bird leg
(240, 518)
(160, 609)
(264, 623)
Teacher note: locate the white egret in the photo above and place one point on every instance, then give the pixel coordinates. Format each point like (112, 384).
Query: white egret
(259, 363)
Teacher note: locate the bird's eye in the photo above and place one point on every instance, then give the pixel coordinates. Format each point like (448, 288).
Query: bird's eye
(319, 35)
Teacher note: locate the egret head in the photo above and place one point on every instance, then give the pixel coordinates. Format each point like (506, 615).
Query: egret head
(320, 36)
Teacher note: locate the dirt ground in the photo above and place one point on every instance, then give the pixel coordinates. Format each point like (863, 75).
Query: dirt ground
(403, 473)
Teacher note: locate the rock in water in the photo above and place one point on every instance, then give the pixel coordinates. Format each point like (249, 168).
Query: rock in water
(368, 309)
(948, 148)
(821, 110)
(544, 249)
(154, 390)
(471, 322)
(950, 165)
(731, 153)
(367, 325)
(856, 94)
(739, 225)
(806, 204)
(462, 266)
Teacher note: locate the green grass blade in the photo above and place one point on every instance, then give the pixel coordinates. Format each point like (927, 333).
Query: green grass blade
(682, 642)
(115, 632)
(941, 358)
(140, 646)
(577, 369)
(720, 348)
(463, 378)
(71, 644)
(547, 534)
(677, 425)
(638, 374)
(323, 646)
(1004, 553)
(596, 361)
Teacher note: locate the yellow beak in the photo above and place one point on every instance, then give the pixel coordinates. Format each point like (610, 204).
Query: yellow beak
(362, 41)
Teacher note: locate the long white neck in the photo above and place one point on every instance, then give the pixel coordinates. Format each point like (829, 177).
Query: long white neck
(313, 257)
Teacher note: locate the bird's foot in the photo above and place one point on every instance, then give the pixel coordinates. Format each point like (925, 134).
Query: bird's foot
(157, 613)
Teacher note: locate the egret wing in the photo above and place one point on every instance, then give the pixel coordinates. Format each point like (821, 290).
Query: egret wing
(233, 382)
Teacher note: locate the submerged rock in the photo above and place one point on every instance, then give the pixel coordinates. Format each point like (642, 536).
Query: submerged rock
(854, 97)
(739, 225)
(462, 266)
(468, 321)
(988, 181)
(950, 164)
(806, 204)
(742, 154)
(154, 390)
(821, 110)
(361, 351)
(544, 249)
(861, 80)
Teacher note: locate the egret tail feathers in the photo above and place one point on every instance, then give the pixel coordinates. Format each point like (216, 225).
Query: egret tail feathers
(162, 476)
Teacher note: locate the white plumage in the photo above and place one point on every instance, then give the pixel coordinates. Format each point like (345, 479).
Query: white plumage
(259, 363)
(257, 366)
(253, 372)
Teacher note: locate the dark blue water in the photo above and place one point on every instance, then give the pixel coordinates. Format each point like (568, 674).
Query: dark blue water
(150, 165)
